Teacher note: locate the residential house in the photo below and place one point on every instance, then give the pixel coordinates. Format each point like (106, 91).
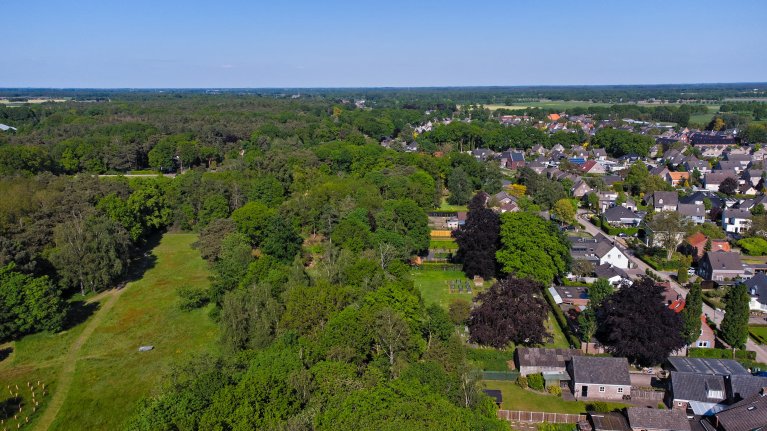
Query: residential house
(747, 189)
(580, 189)
(621, 216)
(593, 167)
(512, 159)
(753, 176)
(482, 153)
(615, 276)
(411, 147)
(714, 179)
(534, 360)
(610, 180)
(757, 288)
(599, 251)
(700, 198)
(693, 212)
(729, 166)
(721, 266)
(570, 295)
(707, 338)
(698, 241)
(678, 179)
(538, 149)
(709, 139)
(644, 419)
(607, 199)
(660, 171)
(749, 414)
(663, 201)
(599, 154)
(673, 157)
(736, 220)
(704, 386)
(599, 378)
(742, 159)
(692, 163)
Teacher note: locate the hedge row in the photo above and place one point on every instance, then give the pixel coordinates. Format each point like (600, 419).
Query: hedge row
(695, 352)
(610, 230)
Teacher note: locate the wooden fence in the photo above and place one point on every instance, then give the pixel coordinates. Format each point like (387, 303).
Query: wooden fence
(540, 417)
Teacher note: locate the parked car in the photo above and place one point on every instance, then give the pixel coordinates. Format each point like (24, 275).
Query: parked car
(691, 271)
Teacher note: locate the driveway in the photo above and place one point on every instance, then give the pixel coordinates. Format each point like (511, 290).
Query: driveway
(641, 267)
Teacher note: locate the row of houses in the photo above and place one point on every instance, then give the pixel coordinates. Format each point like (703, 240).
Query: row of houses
(716, 394)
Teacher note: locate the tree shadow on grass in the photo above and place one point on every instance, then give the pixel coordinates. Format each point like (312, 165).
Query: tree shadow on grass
(79, 312)
(9, 407)
(143, 262)
(5, 353)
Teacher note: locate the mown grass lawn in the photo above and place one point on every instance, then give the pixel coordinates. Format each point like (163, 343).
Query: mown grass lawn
(110, 374)
(758, 333)
(516, 398)
(444, 206)
(433, 285)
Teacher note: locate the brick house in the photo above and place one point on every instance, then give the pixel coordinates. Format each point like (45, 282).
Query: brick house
(599, 378)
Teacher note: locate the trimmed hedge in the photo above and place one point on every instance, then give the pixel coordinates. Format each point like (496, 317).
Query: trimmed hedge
(611, 230)
(695, 352)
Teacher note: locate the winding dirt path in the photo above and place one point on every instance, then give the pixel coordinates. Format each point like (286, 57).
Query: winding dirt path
(69, 362)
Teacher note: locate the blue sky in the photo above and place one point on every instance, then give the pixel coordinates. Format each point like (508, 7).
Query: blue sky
(330, 43)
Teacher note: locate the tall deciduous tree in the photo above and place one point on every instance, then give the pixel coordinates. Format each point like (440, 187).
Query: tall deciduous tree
(668, 229)
(478, 239)
(635, 323)
(729, 186)
(459, 184)
(91, 253)
(564, 211)
(28, 304)
(735, 323)
(532, 247)
(511, 311)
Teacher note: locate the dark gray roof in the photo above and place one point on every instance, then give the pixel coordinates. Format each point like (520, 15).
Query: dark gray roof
(665, 198)
(654, 419)
(616, 213)
(747, 415)
(740, 213)
(612, 421)
(757, 286)
(539, 357)
(572, 292)
(724, 261)
(721, 367)
(744, 386)
(608, 271)
(716, 177)
(691, 210)
(600, 370)
(698, 387)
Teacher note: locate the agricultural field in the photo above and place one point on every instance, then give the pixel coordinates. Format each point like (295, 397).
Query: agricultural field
(551, 104)
(704, 119)
(94, 372)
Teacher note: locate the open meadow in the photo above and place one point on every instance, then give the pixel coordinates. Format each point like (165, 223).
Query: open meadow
(94, 373)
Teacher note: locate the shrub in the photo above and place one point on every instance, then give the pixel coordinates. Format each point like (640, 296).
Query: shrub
(754, 246)
(661, 406)
(192, 297)
(535, 381)
(522, 382)
(681, 274)
(555, 390)
(598, 406)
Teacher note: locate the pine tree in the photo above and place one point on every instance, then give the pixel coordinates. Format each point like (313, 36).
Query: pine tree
(735, 323)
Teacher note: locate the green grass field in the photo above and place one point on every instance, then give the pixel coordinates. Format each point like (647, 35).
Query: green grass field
(110, 375)
(560, 341)
(451, 208)
(704, 119)
(443, 244)
(433, 285)
(516, 398)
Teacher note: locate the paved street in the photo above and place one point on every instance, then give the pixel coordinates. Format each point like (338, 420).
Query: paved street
(641, 267)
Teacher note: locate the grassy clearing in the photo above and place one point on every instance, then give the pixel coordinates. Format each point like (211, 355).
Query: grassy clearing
(489, 359)
(111, 375)
(444, 244)
(516, 398)
(444, 206)
(433, 285)
(704, 118)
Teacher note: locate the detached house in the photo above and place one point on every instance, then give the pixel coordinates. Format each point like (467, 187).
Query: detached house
(599, 378)
(677, 179)
(621, 216)
(714, 179)
(599, 251)
(644, 419)
(721, 266)
(664, 201)
(736, 220)
(593, 167)
(693, 212)
(697, 242)
(757, 288)
(533, 360)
